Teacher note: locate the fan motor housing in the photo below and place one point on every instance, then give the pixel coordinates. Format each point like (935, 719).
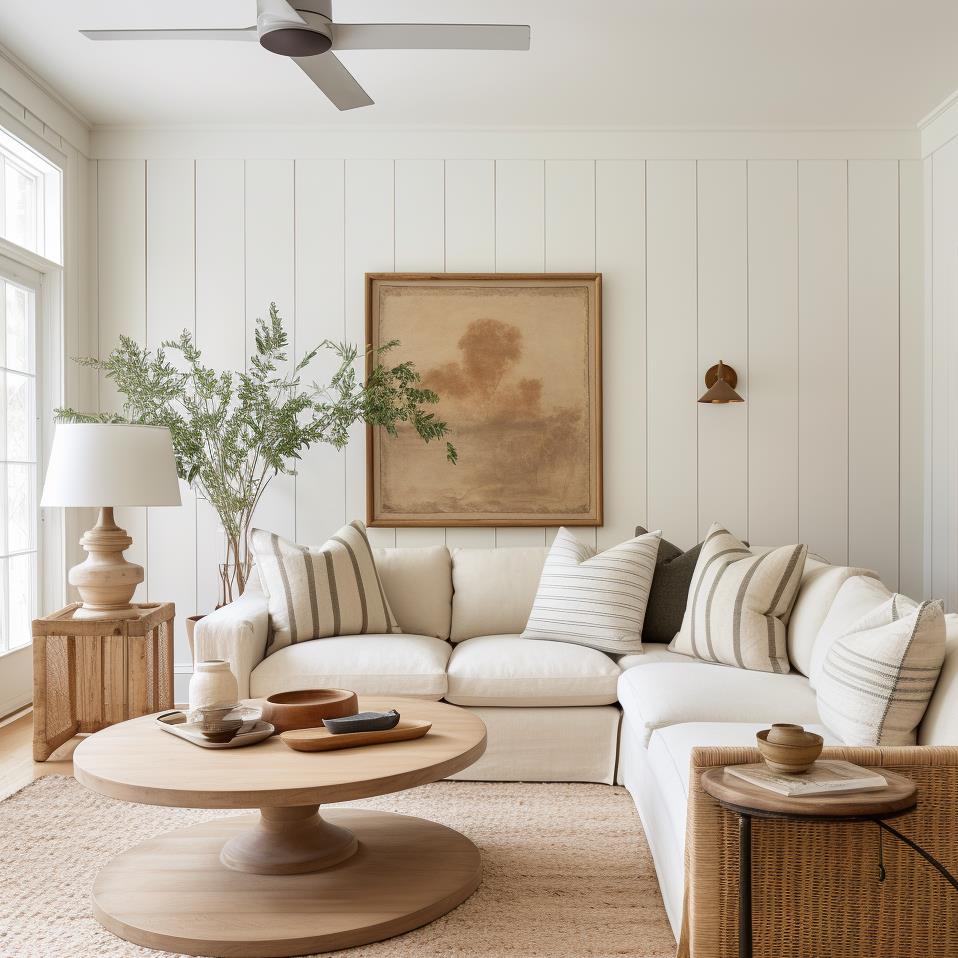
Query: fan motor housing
(290, 38)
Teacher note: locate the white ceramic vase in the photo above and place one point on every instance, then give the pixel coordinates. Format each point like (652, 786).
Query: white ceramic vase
(212, 684)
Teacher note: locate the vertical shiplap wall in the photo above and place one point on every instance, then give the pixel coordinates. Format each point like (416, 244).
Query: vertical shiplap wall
(806, 276)
(941, 370)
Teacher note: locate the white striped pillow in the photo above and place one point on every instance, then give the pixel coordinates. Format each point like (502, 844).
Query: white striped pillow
(739, 602)
(878, 678)
(594, 600)
(316, 593)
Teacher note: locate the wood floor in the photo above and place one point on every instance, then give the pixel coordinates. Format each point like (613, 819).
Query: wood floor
(17, 767)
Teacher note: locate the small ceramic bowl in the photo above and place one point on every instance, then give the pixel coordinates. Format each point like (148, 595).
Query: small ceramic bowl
(307, 708)
(795, 751)
(223, 721)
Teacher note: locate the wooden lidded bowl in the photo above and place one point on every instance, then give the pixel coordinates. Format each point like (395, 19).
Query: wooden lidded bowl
(789, 748)
(306, 708)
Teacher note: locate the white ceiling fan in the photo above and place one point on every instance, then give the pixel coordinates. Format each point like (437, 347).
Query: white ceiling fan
(303, 30)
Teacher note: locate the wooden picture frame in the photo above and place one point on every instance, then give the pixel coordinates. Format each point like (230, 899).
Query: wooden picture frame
(516, 359)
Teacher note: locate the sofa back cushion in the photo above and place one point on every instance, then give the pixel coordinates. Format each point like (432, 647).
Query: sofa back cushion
(418, 585)
(940, 724)
(493, 589)
(820, 585)
(856, 597)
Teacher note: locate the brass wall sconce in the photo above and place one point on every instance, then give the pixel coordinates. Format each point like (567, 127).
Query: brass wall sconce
(721, 381)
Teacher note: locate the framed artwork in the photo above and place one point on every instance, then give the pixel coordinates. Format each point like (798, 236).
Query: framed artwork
(516, 360)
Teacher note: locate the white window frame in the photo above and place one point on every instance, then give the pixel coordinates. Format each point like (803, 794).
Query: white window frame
(49, 179)
(46, 278)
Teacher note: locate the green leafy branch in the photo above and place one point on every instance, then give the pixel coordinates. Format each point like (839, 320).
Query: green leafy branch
(233, 432)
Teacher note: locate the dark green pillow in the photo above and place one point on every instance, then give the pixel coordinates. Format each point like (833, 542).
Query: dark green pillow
(670, 590)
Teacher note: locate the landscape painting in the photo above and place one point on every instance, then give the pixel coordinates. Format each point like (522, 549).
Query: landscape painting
(516, 361)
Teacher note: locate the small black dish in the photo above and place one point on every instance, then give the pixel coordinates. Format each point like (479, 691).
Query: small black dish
(363, 722)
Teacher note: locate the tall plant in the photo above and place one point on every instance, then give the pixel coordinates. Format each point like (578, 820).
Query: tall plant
(234, 431)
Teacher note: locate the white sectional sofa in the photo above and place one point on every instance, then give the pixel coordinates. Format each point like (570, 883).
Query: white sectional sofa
(555, 711)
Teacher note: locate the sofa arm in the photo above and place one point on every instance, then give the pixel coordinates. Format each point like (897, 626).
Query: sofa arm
(815, 886)
(237, 633)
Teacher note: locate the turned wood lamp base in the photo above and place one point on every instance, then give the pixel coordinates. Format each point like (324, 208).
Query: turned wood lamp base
(105, 580)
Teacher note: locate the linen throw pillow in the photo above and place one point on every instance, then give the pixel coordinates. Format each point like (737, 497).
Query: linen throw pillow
(315, 593)
(878, 678)
(670, 590)
(738, 603)
(594, 600)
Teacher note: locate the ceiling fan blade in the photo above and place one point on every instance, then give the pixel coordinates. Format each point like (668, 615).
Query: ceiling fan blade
(238, 33)
(429, 36)
(335, 81)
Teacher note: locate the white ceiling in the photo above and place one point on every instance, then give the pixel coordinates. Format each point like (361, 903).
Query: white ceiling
(649, 64)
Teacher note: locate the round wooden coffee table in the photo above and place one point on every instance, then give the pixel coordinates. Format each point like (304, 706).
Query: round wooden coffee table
(288, 881)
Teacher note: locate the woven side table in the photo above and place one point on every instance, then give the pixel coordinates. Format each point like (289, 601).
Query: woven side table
(91, 673)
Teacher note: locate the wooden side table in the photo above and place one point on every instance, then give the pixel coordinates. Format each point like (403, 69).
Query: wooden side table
(749, 801)
(91, 673)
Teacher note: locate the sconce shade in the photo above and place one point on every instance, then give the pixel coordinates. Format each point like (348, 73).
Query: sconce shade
(721, 381)
(107, 464)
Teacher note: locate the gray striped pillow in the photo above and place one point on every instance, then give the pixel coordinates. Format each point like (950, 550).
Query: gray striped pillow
(594, 600)
(877, 679)
(315, 593)
(739, 602)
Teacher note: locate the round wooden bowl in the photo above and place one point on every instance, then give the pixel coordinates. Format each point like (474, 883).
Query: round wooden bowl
(306, 708)
(792, 758)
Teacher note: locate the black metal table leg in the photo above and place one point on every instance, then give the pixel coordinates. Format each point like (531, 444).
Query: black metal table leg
(744, 886)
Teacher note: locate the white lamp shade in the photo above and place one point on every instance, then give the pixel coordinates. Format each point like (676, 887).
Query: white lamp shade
(106, 464)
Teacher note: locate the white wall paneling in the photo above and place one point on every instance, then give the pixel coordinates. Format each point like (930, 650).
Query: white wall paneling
(270, 277)
(911, 380)
(220, 278)
(470, 231)
(773, 351)
(320, 315)
(751, 260)
(570, 237)
(370, 247)
(873, 398)
(723, 334)
(170, 231)
(942, 371)
(520, 248)
(823, 373)
(620, 257)
(420, 248)
(671, 356)
(121, 292)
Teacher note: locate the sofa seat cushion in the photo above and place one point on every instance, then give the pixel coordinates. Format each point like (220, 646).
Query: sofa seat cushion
(367, 664)
(669, 693)
(670, 755)
(507, 670)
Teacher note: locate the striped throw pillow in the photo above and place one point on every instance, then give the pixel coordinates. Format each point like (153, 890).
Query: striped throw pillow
(877, 679)
(315, 593)
(594, 600)
(739, 602)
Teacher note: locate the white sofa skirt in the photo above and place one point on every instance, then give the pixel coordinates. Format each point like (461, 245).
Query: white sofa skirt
(668, 851)
(547, 745)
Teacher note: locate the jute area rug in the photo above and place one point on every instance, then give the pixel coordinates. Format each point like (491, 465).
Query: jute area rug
(566, 872)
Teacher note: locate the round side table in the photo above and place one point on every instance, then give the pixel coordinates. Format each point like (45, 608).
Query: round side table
(750, 801)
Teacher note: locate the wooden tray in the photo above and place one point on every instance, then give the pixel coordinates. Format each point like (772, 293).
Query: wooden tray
(175, 723)
(322, 740)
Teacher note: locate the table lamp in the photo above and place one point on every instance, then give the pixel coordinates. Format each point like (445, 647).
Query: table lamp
(124, 465)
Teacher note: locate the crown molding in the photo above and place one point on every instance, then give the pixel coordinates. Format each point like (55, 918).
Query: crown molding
(300, 143)
(42, 104)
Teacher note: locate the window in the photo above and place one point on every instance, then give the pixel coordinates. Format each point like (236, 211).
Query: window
(29, 199)
(30, 386)
(19, 427)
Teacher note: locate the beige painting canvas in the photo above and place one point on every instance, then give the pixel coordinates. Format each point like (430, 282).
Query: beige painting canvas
(516, 362)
